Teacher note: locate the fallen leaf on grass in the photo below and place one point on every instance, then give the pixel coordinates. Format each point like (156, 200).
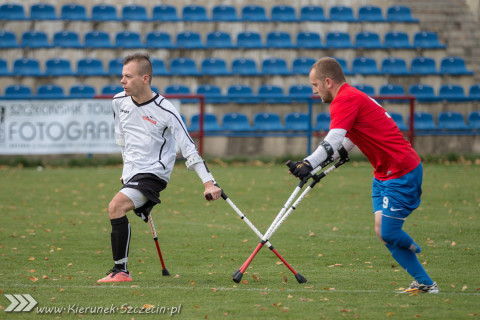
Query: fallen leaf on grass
(464, 288)
(33, 279)
(148, 306)
(31, 259)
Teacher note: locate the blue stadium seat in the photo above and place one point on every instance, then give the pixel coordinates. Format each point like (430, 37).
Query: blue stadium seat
(269, 93)
(111, 89)
(66, 39)
(4, 68)
(474, 91)
(50, 91)
(18, 91)
(366, 88)
(397, 40)
(322, 121)
(74, 12)
(245, 67)
(214, 67)
(82, 91)
(12, 11)
(159, 67)
(134, 12)
(210, 123)
(474, 120)
(43, 11)
(226, 13)
(341, 13)
(452, 92)
(392, 90)
(58, 67)
(104, 12)
(267, 121)
(97, 39)
(338, 40)
(250, 40)
(279, 40)
(368, 40)
(159, 40)
(423, 66)
(427, 40)
(189, 40)
(212, 93)
(128, 40)
(177, 89)
(454, 66)
(241, 94)
(219, 40)
(35, 39)
(398, 13)
(183, 67)
(309, 40)
(115, 67)
(398, 118)
(370, 13)
(283, 13)
(254, 13)
(343, 63)
(235, 121)
(193, 12)
(87, 67)
(302, 65)
(423, 92)
(8, 39)
(27, 67)
(312, 13)
(365, 65)
(423, 121)
(275, 66)
(300, 92)
(165, 13)
(395, 66)
(449, 120)
(296, 121)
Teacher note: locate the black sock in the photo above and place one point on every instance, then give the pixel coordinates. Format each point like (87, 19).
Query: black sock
(120, 238)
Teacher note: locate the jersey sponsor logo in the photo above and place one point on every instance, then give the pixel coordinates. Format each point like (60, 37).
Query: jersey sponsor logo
(124, 111)
(149, 119)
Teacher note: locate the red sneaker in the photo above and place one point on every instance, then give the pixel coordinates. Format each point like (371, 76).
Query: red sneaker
(116, 276)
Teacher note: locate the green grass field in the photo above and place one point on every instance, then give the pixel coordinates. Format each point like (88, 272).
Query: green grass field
(55, 244)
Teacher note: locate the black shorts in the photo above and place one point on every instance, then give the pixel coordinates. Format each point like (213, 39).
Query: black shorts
(151, 186)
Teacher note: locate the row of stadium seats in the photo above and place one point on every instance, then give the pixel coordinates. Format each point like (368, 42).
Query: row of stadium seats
(245, 94)
(33, 39)
(182, 66)
(295, 121)
(257, 13)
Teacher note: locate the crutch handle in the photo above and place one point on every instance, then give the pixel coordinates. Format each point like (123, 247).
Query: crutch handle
(209, 197)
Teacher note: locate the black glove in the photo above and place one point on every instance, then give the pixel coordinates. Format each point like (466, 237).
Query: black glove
(300, 169)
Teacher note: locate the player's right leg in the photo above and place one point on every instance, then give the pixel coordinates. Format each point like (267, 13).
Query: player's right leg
(120, 237)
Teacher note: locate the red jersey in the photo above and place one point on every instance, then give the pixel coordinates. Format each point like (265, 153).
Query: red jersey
(374, 132)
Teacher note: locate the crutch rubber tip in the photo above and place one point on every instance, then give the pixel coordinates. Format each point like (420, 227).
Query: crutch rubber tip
(165, 272)
(237, 276)
(300, 278)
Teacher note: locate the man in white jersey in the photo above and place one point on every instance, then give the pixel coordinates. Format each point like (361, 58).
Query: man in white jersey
(146, 128)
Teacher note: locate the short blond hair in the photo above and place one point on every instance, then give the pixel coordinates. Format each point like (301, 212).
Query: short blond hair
(328, 68)
(143, 62)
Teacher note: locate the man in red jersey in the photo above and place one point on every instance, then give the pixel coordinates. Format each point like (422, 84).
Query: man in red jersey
(357, 119)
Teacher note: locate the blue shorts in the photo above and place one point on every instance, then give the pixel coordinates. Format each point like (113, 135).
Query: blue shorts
(397, 198)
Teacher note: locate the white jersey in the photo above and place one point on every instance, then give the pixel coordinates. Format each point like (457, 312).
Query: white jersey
(148, 133)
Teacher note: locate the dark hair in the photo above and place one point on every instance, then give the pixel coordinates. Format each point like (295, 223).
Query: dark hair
(143, 62)
(329, 68)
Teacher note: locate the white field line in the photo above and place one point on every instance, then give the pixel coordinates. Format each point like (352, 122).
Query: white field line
(190, 287)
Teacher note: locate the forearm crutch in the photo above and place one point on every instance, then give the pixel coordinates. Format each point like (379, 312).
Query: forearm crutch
(282, 216)
(155, 238)
(298, 276)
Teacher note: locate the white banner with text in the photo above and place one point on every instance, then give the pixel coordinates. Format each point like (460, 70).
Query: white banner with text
(29, 127)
